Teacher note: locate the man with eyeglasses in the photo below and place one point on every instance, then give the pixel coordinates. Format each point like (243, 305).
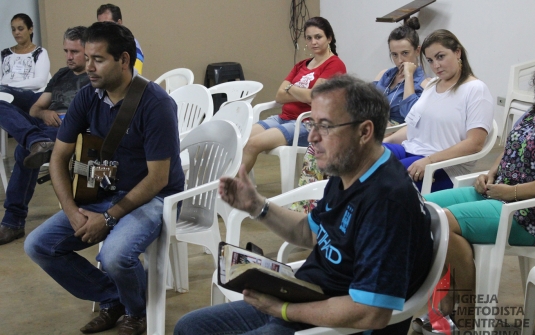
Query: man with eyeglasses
(369, 235)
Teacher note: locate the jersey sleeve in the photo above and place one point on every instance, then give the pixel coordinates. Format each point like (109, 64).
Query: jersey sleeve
(383, 256)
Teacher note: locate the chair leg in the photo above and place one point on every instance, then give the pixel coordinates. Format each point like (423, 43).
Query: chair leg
(529, 304)
(217, 296)
(3, 174)
(179, 265)
(156, 257)
(526, 264)
(287, 170)
(99, 266)
(488, 274)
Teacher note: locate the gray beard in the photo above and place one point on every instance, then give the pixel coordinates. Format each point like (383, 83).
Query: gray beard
(343, 163)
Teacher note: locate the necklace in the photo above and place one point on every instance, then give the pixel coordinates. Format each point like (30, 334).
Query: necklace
(387, 90)
(21, 50)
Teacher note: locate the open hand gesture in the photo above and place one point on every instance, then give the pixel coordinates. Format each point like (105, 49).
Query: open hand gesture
(240, 192)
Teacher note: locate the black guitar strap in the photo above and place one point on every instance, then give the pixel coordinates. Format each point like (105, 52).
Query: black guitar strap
(124, 117)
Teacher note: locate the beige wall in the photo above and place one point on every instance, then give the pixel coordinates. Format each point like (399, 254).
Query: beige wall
(192, 34)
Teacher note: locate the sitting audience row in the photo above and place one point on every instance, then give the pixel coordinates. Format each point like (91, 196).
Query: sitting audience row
(370, 206)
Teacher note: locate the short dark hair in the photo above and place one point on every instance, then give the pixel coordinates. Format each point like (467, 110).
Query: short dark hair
(118, 37)
(75, 33)
(114, 10)
(324, 25)
(363, 101)
(27, 21)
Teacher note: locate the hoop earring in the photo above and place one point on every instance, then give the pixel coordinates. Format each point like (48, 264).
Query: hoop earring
(460, 62)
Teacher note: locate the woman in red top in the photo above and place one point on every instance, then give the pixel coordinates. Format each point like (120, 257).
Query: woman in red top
(294, 92)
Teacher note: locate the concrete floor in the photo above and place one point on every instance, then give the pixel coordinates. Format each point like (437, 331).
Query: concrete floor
(32, 303)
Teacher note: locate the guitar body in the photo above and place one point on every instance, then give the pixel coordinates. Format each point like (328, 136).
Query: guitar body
(87, 148)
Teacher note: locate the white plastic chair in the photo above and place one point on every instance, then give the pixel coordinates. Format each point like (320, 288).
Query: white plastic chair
(312, 191)
(194, 104)
(3, 143)
(440, 232)
(175, 78)
(392, 129)
(242, 90)
(291, 156)
(214, 150)
(241, 114)
(519, 97)
(431, 168)
(489, 257)
(529, 304)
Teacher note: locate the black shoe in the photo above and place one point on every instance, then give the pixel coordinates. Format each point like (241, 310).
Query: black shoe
(10, 234)
(133, 325)
(39, 154)
(106, 319)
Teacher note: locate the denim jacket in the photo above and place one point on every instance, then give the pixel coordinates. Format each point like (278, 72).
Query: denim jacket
(399, 108)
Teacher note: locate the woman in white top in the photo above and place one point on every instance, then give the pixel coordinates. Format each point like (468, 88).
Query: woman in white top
(25, 66)
(452, 117)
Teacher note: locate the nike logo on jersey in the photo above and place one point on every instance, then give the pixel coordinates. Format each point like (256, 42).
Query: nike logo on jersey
(327, 208)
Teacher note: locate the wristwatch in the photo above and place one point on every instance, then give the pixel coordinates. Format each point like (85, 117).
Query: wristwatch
(287, 88)
(110, 220)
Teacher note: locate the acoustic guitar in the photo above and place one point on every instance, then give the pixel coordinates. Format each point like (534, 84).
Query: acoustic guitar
(88, 174)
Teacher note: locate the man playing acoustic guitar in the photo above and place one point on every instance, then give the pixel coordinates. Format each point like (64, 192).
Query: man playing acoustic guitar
(127, 219)
(35, 133)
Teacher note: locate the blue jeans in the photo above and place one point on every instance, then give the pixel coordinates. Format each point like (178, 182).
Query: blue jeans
(22, 98)
(26, 130)
(441, 179)
(237, 317)
(52, 246)
(287, 128)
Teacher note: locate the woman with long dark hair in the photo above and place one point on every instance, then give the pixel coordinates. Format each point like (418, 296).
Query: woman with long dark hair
(294, 92)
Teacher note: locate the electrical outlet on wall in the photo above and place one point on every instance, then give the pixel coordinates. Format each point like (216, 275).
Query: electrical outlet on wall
(501, 101)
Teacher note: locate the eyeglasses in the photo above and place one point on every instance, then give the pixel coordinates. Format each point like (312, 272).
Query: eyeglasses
(323, 129)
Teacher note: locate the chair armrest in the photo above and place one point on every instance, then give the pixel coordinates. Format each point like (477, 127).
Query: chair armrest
(506, 215)
(467, 180)
(170, 202)
(259, 108)
(393, 129)
(431, 168)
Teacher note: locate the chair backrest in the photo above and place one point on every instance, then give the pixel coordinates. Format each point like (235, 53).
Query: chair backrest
(241, 114)
(242, 90)
(214, 150)
(194, 104)
(519, 96)
(175, 78)
(440, 233)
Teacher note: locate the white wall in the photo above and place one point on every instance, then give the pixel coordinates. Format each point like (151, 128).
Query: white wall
(496, 34)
